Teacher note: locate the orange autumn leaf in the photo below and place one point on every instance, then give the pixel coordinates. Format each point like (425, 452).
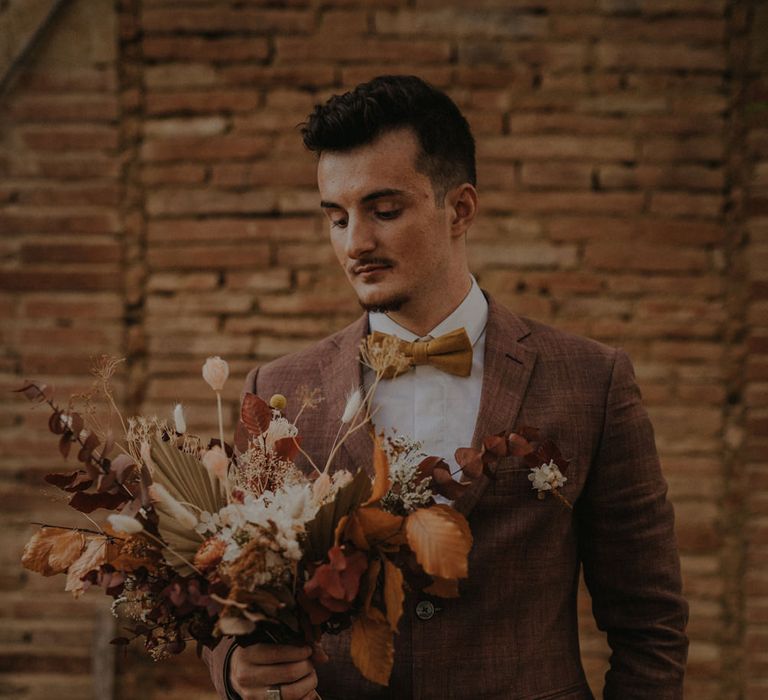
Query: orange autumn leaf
(350, 530)
(372, 647)
(380, 527)
(393, 593)
(440, 538)
(381, 481)
(52, 550)
(371, 581)
(443, 587)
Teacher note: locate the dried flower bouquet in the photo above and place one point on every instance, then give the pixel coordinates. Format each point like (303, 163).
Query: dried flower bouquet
(206, 539)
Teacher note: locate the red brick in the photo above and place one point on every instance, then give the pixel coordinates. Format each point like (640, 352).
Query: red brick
(207, 257)
(201, 102)
(50, 108)
(175, 174)
(220, 20)
(69, 79)
(70, 195)
(692, 149)
(554, 147)
(92, 138)
(234, 229)
(563, 202)
(205, 148)
(439, 75)
(293, 50)
(200, 47)
(312, 75)
(462, 22)
(689, 177)
(23, 221)
(71, 253)
(265, 173)
(43, 279)
(209, 201)
(686, 204)
(557, 175)
(611, 256)
(667, 57)
(67, 168)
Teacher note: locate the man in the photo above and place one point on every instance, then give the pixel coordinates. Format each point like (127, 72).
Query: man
(396, 175)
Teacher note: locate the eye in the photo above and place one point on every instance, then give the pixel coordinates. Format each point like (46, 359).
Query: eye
(337, 220)
(388, 214)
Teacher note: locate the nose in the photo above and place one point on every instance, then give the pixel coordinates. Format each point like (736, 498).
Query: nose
(360, 240)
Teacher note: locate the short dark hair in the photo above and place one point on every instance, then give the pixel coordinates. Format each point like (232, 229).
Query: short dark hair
(391, 102)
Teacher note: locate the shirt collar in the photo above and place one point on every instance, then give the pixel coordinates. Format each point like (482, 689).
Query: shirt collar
(471, 314)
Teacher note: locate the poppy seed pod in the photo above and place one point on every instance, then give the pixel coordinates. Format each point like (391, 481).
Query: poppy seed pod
(215, 372)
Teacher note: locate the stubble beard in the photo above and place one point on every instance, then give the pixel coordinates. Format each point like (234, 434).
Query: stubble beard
(384, 306)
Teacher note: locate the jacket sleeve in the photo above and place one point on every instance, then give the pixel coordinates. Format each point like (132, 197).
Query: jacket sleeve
(629, 551)
(217, 659)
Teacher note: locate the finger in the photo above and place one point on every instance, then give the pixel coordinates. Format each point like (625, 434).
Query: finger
(274, 653)
(300, 689)
(274, 674)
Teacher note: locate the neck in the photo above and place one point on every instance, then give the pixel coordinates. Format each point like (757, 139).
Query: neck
(422, 314)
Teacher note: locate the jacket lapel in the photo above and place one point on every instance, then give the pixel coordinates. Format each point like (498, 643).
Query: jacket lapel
(342, 370)
(507, 371)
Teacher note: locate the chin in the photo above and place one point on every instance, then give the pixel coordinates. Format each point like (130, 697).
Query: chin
(383, 304)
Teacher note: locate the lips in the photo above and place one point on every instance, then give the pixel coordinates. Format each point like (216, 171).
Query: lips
(369, 267)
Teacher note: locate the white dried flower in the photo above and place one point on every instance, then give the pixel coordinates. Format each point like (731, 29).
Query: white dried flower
(354, 402)
(546, 477)
(178, 418)
(172, 508)
(216, 462)
(278, 429)
(124, 523)
(215, 372)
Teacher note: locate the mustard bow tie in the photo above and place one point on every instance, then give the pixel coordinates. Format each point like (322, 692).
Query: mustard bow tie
(451, 353)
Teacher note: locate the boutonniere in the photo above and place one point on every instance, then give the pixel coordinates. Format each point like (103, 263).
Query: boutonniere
(542, 457)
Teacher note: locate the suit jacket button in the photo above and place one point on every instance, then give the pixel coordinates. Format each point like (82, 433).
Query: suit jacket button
(425, 610)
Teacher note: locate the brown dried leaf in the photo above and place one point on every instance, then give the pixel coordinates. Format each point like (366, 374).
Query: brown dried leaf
(443, 587)
(394, 595)
(380, 527)
(34, 391)
(91, 559)
(52, 550)
(372, 647)
(381, 481)
(370, 583)
(440, 538)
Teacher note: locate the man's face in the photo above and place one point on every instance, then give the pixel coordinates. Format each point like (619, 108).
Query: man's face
(388, 232)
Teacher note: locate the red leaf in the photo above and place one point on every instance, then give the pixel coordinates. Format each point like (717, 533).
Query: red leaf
(518, 445)
(495, 445)
(470, 460)
(65, 443)
(56, 425)
(446, 485)
(88, 502)
(76, 424)
(255, 414)
(76, 481)
(90, 444)
(34, 392)
(288, 447)
(121, 467)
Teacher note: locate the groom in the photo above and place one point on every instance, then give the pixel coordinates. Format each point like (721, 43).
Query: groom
(396, 174)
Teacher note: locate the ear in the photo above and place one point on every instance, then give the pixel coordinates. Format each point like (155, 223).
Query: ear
(462, 208)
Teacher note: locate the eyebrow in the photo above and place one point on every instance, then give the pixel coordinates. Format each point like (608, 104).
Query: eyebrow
(376, 194)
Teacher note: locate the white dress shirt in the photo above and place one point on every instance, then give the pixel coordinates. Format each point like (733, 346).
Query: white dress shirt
(435, 408)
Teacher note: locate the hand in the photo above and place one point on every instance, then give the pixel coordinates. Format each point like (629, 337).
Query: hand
(255, 669)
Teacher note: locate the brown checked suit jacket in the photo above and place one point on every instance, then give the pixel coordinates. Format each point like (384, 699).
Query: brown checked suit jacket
(513, 632)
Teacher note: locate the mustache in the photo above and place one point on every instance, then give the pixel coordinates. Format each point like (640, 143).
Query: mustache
(363, 262)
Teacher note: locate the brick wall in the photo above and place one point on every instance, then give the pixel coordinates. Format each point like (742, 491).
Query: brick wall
(155, 202)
